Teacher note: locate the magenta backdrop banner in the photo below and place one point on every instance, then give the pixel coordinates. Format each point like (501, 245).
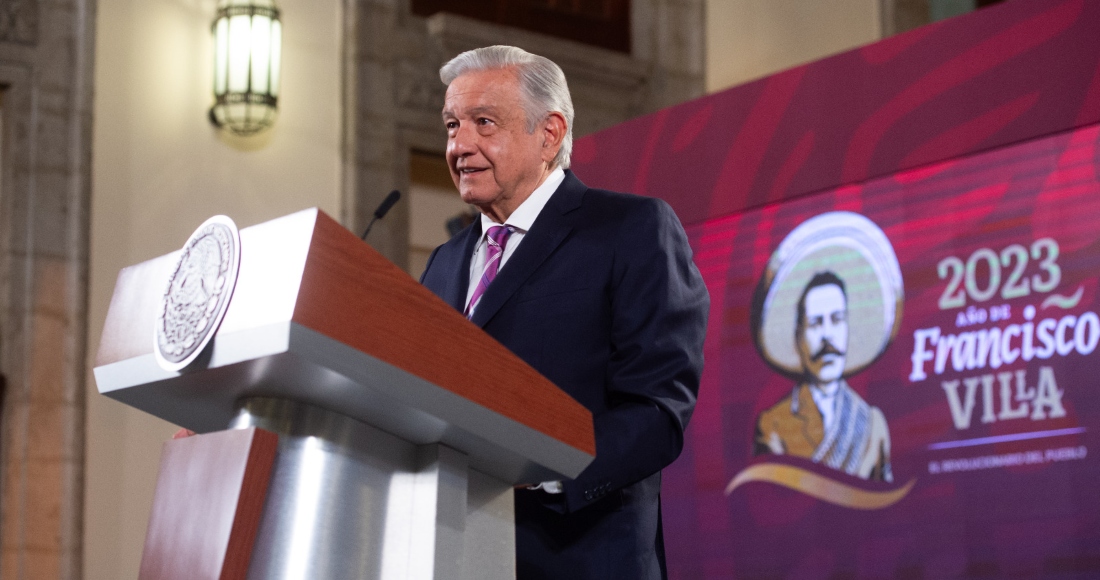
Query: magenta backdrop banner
(997, 76)
(988, 387)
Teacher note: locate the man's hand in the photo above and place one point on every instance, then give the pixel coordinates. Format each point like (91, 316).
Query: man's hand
(547, 486)
(183, 432)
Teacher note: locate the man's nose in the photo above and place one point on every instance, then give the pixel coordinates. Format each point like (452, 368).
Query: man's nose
(463, 142)
(828, 334)
(833, 334)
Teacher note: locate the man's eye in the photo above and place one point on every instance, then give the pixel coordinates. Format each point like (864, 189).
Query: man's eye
(483, 121)
(451, 125)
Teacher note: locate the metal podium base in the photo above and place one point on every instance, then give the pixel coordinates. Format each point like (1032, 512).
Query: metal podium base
(348, 501)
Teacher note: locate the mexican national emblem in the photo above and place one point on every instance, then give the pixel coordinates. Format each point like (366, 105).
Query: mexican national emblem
(198, 293)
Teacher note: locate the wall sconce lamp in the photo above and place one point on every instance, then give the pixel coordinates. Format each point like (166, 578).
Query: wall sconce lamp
(247, 54)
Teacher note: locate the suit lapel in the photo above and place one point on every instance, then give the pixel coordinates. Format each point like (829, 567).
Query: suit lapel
(546, 234)
(460, 278)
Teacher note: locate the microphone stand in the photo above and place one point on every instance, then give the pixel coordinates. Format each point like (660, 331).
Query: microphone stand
(383, 208)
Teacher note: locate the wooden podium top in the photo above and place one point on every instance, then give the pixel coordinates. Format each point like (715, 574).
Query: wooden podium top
(318, 316)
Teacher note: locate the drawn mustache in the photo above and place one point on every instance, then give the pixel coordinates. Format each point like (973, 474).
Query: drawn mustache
(826, 348)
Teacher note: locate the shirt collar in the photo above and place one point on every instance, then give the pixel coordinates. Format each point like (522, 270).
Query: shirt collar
(524, 217)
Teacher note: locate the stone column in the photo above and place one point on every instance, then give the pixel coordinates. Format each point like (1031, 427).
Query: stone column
(46, 51)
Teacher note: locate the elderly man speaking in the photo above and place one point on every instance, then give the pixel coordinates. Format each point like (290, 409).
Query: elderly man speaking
(594, 289)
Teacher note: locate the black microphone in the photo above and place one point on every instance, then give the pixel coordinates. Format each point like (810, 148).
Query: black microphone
(383, 208)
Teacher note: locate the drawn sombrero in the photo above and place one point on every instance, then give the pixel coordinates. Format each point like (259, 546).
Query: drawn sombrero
(856, 250)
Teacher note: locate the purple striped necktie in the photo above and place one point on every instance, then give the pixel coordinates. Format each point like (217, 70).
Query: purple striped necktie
(497, 239)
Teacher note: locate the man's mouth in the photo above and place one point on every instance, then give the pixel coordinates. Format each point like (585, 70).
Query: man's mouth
(470, 170)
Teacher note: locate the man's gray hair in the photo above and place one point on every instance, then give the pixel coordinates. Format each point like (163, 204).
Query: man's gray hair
(540, 79)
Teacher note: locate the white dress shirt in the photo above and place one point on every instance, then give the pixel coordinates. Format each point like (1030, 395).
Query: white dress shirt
(825, 399)
(521, 220)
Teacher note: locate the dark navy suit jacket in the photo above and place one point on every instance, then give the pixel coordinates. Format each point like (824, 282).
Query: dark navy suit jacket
(602, 298)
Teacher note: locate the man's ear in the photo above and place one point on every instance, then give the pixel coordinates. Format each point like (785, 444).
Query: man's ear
(553, 132)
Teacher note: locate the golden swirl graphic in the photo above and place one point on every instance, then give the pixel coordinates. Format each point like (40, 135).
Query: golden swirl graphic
(819, 486)
(1064, 302)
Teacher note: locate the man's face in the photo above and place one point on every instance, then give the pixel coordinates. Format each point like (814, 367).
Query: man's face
(494, 161)
(823, 338)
